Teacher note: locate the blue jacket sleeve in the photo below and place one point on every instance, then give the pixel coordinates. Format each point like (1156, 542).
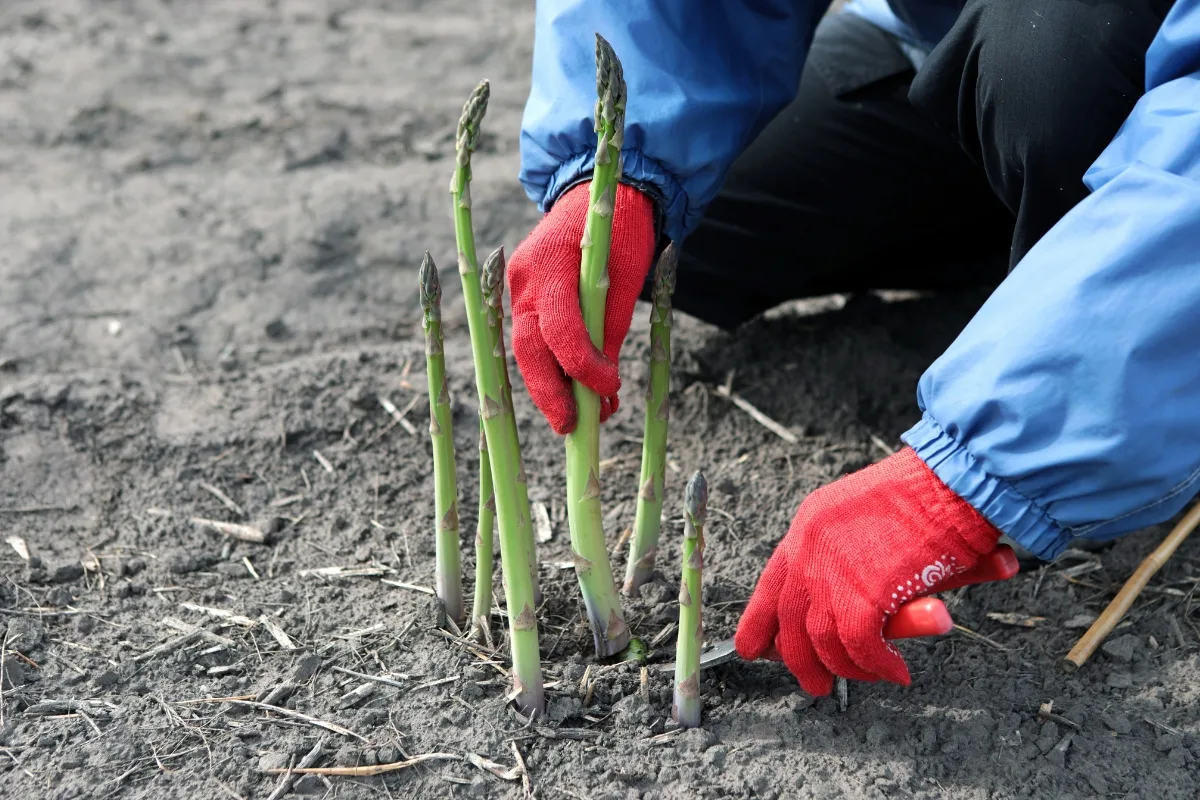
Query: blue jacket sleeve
(704, 78)
(1070, 405)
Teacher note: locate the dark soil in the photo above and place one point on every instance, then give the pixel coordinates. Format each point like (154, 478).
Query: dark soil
(212, 214)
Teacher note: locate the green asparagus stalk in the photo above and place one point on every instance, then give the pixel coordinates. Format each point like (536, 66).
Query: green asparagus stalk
(503, 451)
(493, 298)
(609, 632)
(481, 610)
(643, 547)
(686, 709)
(449, 563)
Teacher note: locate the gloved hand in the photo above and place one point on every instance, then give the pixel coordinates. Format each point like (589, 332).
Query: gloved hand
(549, 340)
(857, 550)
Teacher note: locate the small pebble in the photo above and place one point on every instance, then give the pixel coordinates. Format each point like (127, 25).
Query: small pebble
(12, 674)
(183, 563)
(1120, 680)
(1092, 774)
(25, 634)
(346, 756)
(276, 329)
(59, 597)
(1048, 737)
(878, 734)
(306, 667)
(273, 761)
(308, 785)
(106, 679)
(65, 573)
(696, 740)
(1058, 755)
(232, 569)
(564, 708)
(1118, 723)
(1122, 648)
(1168, 741)
(1179, 757)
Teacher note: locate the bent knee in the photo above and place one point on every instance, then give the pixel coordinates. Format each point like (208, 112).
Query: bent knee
(1036, 81)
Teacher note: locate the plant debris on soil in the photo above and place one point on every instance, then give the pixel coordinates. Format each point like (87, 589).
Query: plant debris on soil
(215, 487)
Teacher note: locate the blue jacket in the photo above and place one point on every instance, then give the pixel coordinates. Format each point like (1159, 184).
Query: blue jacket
(1070, 405)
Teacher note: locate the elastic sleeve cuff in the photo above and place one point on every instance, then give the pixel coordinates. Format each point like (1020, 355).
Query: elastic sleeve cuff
(645, 174)
(994, 498)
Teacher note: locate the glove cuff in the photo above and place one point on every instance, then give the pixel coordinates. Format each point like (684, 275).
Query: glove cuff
(947, 511)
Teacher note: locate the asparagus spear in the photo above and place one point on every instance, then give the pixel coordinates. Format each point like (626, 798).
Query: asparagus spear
(493, 298)
(644, 546)
(686, 709)
(449, 565)
(503, 450)
(481, 610)
(609, 633)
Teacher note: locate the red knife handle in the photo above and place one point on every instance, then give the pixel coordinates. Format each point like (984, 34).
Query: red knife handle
(927, 616)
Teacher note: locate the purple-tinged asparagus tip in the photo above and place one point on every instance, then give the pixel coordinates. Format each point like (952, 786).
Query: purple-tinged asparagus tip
(664, 275)
(493, 277)
(467, 135)
(431, 286)
(610, 83)
(695, 498)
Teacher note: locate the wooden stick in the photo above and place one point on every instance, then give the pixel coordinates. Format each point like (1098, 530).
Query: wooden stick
(289, 775)
(287, 712)
(225, 499)
(366, 771)
(756, 415)
(168, 646)
(1133, 587)
(244, 533)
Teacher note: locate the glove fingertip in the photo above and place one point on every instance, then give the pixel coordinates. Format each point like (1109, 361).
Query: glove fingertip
(562, 423)
(608, 407)
(759, 623)
(892, 668)
(751, 642)
(816, 685)
(602, 376)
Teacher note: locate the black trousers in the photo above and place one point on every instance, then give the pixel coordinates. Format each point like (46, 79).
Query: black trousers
(878, 176)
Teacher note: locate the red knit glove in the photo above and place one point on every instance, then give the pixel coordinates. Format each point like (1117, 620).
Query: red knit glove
(857, 550)
(549, 340)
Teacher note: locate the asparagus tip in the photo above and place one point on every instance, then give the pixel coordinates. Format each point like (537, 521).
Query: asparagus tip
(695, 498)
(431, 287)
(472, 116)
(665, 272)
(610, 79)
(493, 272)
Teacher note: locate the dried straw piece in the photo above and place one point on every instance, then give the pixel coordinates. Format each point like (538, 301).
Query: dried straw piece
(1120, 605)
